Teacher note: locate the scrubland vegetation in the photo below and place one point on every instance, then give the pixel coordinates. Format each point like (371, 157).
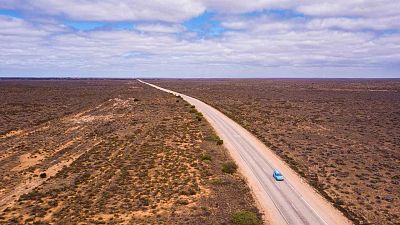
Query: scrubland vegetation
(128, 154)
(342, 136)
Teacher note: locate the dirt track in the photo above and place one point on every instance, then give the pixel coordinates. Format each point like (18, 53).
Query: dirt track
(289, 202)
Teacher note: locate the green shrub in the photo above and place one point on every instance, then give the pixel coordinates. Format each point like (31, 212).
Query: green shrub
(217, 181)
(205, 157)
(213, 137)
(188, 191)
(338, 202)
(229, 167)
(182, 202)
(43, 175)
(199, 116)
(245, 218)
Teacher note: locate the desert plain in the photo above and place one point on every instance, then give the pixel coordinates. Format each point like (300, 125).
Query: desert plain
(341, 135)
(112, 152)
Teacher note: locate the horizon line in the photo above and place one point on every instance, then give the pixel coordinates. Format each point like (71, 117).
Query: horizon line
(181, 78)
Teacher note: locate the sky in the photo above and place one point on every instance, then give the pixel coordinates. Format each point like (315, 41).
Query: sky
(200, 38)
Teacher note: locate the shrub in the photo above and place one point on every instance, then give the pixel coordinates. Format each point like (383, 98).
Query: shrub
(338, 202)
(144, 201)
(245, 218)
(182, 202)
(211, 137)
(215, 138)
(229, 167)
(43, 175)
(188, 191)
(217, 181)
(205, 157)
(52, 203)
(199, 116)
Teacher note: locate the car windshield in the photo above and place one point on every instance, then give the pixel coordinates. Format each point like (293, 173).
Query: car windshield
(278, 173)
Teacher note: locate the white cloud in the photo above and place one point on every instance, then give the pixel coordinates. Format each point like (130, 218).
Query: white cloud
(160, 28)
(363, 8)
(235, 24)
(328, 39)
(10, 26)
(229, 7)
(111, 10)
(179, 10)
(384, 23)
(263, 24)
(257, 47)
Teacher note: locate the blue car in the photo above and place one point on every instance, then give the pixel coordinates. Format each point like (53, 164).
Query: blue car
(278, 176)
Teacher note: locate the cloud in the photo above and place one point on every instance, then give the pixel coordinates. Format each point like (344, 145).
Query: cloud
(366, 8)
(263, 24)
(384, 23)
(160, 28)
(255, 47)
(110, 10)
(200, 37)
(11, 26)
(179, 10)
(236, 7)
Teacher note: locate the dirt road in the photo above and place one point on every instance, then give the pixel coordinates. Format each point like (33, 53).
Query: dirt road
(291, 201)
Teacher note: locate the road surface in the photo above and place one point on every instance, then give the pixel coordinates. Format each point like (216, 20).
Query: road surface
(291, 201)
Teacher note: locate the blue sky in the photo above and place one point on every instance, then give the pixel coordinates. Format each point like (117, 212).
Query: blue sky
(202, 38)
(206, 25)
(10, 13)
